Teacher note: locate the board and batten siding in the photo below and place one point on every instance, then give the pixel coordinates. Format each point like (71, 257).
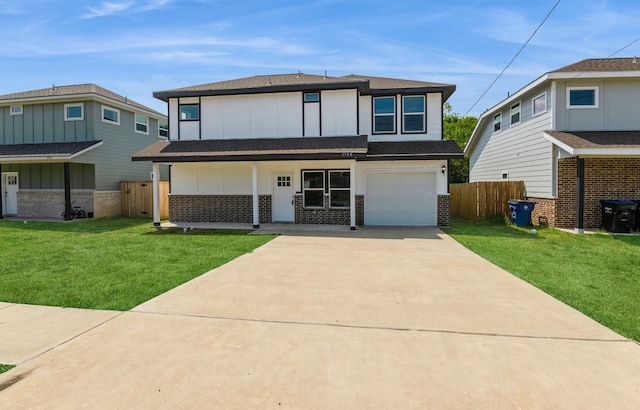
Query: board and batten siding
(618, 107)
(520, 151)
(44, 123)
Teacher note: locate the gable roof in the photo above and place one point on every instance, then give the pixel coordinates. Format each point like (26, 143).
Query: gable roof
(596, 142)
(75, 91)
(305, 82)
(54, 151)
(601, 65)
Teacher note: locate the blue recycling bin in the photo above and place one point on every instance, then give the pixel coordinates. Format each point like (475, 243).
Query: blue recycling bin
(521, 211)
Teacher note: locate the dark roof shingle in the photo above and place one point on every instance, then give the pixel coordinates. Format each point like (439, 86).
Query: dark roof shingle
(597, 139)
(58, 149)
(601, 65)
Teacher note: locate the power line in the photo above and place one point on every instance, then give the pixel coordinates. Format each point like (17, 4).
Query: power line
(516, 55)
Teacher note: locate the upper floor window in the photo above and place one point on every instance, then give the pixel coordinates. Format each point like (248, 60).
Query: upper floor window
(74, 112)
(189, 112)
(384, 115)
(142, 124)
(111, 115)
(15, 110)
(539, 104)
(413, 113)
(582, 97)
(163, 129)
(497, 122)
(515, 113)
(311, 97)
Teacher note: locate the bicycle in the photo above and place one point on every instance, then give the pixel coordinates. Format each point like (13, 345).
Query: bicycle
(76, 212)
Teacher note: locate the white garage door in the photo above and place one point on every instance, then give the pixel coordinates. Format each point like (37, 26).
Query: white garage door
(400, 198)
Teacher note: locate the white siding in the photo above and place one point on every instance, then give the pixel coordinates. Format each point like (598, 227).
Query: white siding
(339, 113)
(433, 105)
(173, 115)
(312, 119)
(434, 116)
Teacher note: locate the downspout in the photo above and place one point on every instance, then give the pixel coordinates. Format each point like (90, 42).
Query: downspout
(1, 193)
(67, 191)
(155, 175)
(579, 195)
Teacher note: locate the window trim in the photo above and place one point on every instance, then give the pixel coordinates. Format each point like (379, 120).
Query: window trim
(348, 189)
(323, 189)
(159, 128)
(511, 113)
(66, 112)
(136, 122)
(596, 101)
(374, 115)
(497, 116)
(20, 110)
(107, 120)
(542, 96)
(188, 105)
(423, 113)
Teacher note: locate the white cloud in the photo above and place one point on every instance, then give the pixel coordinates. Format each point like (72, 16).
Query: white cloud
(106, 9)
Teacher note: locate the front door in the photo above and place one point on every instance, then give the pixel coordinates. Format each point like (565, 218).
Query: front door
(283, 209)
(10, 192)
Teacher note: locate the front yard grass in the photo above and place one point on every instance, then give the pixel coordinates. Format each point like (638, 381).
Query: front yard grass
(111, 263)
(597, 274)
(6, 367)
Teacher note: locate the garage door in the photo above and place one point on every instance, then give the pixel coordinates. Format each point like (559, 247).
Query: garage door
(400, 198)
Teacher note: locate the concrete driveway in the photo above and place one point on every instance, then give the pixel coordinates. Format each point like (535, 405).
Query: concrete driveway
(377, 318)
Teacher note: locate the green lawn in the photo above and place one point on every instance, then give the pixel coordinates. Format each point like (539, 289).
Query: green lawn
(6, 367)
(110, 263)
(598, 274)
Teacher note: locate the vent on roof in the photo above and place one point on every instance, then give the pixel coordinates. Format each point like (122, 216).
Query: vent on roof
(634, 60)
(269, 82)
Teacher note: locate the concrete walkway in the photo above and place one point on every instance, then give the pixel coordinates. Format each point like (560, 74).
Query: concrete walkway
(376, 318)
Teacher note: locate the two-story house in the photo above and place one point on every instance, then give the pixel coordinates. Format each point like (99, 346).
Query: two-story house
(67, 144)
(572, 136)
(300, 148)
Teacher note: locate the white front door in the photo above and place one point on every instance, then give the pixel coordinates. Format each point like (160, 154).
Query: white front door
(10, 193)
(283, 208)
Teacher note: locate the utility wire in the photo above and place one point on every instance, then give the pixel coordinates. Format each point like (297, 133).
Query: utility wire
(516, 55)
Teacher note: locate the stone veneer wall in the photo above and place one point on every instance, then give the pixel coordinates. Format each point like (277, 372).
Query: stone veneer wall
(35, 203)
(327, 215)
(218, 208)
(107, 203)
(444, 211)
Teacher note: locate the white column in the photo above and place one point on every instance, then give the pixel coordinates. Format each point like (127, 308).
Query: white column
(155, 177)
(352, 194)
(256, 207)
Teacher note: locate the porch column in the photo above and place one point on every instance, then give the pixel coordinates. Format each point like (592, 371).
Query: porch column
(256, 203)
(1, 193)
(155, 178)
(67, 191)
(579, 195)
(352, 195)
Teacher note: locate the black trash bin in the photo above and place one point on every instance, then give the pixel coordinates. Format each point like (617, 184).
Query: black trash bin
(637, 215)
(521, 211)
(618, 216)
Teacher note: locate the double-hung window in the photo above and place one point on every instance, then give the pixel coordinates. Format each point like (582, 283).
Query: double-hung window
(384, 115)
(413, 114)
(110, 115)
(539, 104)
(74, 112)
(515, 113)
(142, 124)
(163, 129)
(582, 97)
(313, 189)
(339, 187)
(497, 122)
(189, 112)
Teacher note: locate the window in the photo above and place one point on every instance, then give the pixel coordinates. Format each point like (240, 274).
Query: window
(142, 124)
(582, 97)
(539, 104)
(163, 129)
(190, 112)
(313, 188)
(339, 183)
(73, 112)
(497, 122)
(384, 115)
(311, 97)
(515, 113)
(15, 110)
(413, 113)
(284, 181)
(111, 115)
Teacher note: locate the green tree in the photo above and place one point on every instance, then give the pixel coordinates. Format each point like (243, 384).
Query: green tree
(458, 129)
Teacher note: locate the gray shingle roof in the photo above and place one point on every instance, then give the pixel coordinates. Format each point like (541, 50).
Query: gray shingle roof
(58, 149)
(597, 139)
(602, 65)
(432, 149)
(69, 91)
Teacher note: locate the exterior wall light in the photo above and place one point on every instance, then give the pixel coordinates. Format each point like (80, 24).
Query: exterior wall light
(443, 169)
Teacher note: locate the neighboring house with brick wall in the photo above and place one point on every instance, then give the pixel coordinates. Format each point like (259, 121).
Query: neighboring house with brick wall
(300, 148)
(73, 143)
(572, 136)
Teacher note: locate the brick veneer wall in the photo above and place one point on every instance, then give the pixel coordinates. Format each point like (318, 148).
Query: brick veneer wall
(218, 208)
(107, 204)
(360, 210)
(33, 203)
(604, 178)
(444, 210)
(545, 208)
(324, 215)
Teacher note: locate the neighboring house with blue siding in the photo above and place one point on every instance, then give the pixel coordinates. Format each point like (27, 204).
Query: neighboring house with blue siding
(73, 143)
(573, 137)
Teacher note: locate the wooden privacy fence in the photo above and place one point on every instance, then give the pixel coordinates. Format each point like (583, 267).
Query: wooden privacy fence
(481, 200)
(137, 199)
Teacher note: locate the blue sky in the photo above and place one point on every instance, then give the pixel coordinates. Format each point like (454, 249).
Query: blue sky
(135, 47)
